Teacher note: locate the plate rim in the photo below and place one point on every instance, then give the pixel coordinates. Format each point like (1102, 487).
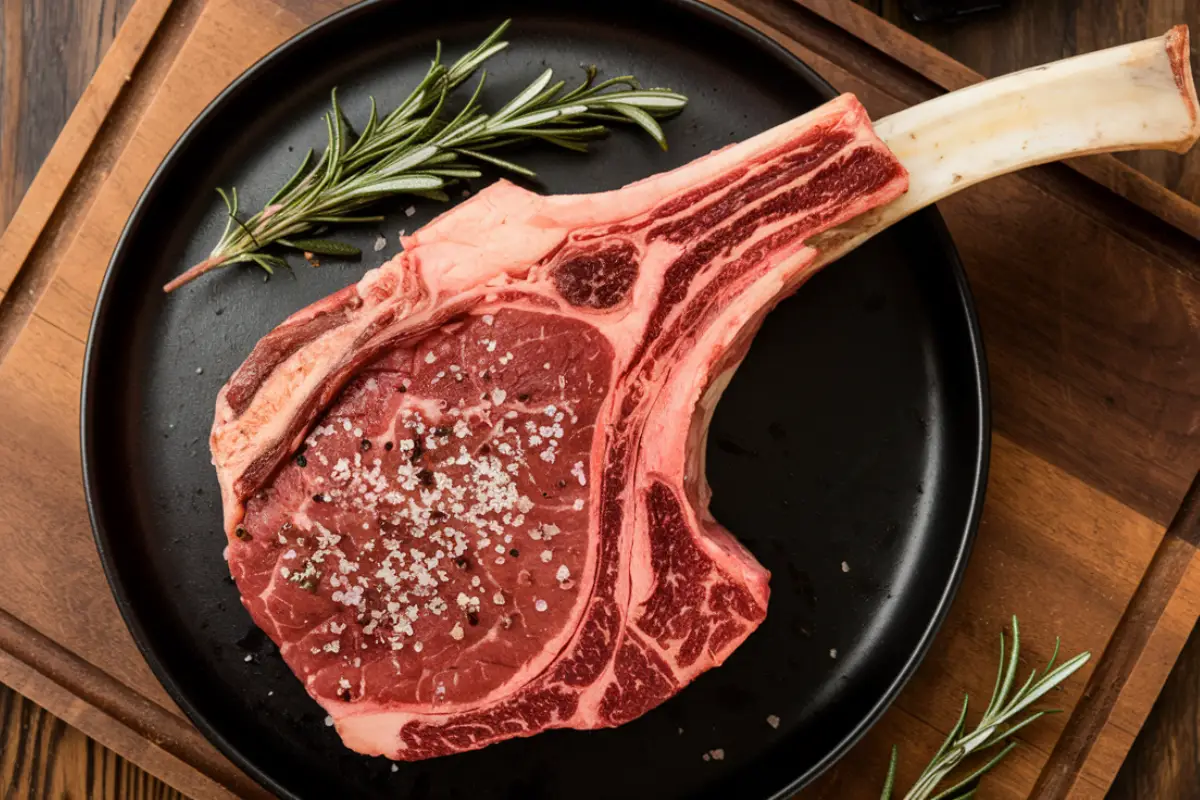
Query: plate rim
(89, 386)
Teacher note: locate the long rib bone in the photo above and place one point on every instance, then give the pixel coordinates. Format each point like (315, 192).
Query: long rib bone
(1133, 97)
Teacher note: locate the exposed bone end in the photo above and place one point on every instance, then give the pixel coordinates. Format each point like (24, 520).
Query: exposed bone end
(1177, 41)
(1138, 96)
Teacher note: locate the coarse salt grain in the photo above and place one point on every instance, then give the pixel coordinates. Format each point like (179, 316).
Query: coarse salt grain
(380, 243)
(845, 567)
(408, 212)
(833, 652)
(328, 722)
(773, 721)
(541, 605)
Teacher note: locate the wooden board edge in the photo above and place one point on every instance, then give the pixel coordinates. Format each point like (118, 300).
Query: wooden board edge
(37, 250)
(948, 74)
(50, 185)
(160, 741)
(108, 731)
(1171, 576)
(901, 45)
(1149, 676)
(1125, 181)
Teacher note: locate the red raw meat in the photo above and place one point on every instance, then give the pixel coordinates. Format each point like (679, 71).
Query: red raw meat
(466, 496)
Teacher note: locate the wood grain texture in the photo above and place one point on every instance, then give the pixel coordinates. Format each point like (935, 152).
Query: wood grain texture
(50, 50)
(1088, 305)
(92, 132)
(41, 756)
(1165, 758)
(152, 735)
(1174, 557)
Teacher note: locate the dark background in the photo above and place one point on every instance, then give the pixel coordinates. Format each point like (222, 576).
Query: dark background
(48, 51)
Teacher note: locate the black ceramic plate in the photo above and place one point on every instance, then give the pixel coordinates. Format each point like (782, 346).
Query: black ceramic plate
(854, 435)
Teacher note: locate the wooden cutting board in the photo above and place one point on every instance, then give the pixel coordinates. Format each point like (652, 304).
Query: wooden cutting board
(1087, 278)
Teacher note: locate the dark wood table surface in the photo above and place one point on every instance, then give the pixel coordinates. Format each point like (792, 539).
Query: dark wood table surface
(48, 51)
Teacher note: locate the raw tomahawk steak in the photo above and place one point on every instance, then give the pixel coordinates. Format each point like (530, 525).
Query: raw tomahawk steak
(466, 496)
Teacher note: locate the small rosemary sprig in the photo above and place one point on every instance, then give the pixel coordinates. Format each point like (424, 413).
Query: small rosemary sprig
(420, 149)
(995, 728)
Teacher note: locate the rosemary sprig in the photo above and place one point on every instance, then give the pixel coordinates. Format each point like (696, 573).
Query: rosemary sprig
(420, 149)
(996, 727)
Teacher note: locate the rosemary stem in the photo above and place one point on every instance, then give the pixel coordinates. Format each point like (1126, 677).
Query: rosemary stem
(195, 271)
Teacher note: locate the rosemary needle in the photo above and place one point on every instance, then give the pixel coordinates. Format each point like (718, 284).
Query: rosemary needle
(420, 148)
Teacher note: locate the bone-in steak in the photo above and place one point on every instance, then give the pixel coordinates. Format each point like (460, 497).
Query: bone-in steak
(466, 496)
